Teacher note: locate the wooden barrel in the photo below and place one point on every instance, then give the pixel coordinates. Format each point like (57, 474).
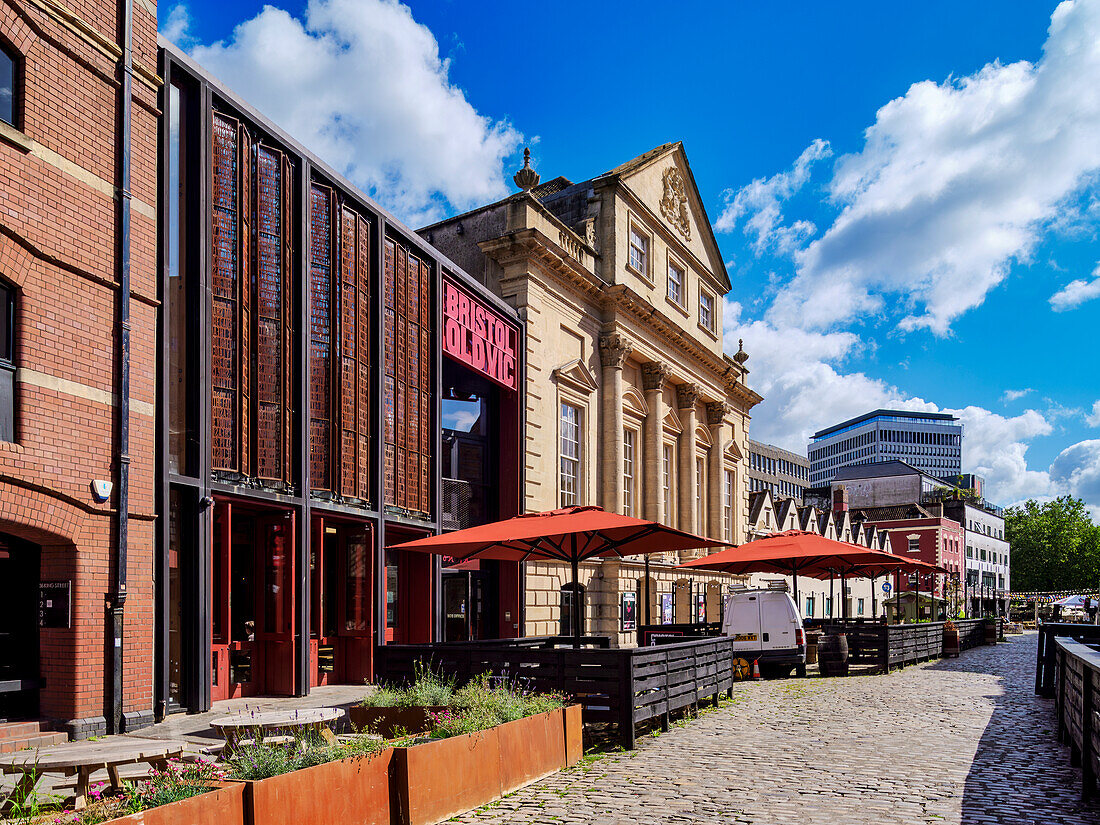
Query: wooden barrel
(832, 655)
(950, 642)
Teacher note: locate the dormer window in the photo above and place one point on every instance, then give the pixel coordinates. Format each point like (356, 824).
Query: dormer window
(8, 84)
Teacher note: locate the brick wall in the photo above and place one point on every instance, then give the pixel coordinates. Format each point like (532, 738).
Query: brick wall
(58, 246)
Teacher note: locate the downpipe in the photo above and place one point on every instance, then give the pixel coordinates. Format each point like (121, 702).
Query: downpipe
(117, 598)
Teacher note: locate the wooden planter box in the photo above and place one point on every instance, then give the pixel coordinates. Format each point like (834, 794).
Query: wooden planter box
(439, 779)
(353, 790)
(224, 805)
(990, 634)
(387, 721)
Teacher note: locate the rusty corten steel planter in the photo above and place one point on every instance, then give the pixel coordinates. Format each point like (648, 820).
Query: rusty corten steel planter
(352, 790)
(439, 779)
(574, 734)
(387, 721)
(223, 805)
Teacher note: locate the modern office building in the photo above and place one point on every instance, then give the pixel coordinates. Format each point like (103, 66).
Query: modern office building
(783, 473)
(931, 442)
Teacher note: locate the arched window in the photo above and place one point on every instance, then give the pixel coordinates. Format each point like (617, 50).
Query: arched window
(7, 362)
(572, 604)
(9, 84)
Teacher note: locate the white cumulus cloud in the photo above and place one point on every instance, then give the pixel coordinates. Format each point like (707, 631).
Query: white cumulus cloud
(760, 204)
(1093, 418)
(1015, 395)
(955, 182)
(1076, 292)
(1076, 470)
(362, 84)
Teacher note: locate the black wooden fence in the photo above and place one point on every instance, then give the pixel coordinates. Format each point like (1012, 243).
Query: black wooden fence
(1044, 657)
(898, 645)
(622, 686)
(1076, 690)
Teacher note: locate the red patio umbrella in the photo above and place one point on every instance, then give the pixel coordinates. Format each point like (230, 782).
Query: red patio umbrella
(795, 552)
(572, 535)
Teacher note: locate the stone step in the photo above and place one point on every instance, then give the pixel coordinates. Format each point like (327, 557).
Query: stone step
(39, 739)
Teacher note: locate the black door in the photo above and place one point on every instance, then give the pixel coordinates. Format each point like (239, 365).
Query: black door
(19, 568)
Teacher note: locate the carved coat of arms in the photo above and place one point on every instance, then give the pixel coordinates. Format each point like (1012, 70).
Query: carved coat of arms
(674, 205)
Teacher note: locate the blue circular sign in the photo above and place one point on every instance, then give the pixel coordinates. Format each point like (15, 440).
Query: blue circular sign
(887, 587)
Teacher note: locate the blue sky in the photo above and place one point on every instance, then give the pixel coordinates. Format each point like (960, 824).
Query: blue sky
(906, 195)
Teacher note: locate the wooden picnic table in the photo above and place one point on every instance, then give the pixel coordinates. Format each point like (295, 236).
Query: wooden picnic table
(83, 759)
(240, 726)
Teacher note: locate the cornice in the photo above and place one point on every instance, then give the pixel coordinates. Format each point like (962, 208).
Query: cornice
(524, 246)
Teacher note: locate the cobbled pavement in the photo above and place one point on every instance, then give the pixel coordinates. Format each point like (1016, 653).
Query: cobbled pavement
(953, 741)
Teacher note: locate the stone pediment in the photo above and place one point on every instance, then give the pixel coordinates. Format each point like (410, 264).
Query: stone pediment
(576, 376)
(733, 451)
(672, 422)
(663, 180)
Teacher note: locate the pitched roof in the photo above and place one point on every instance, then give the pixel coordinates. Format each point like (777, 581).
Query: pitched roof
(756, 504)
(896, 512)
(551, 186)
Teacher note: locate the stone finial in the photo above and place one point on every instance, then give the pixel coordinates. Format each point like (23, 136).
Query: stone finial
(614, 350)
(741, 356)
(654, 375)
(686, 396)
(717, 412)
(526, 178)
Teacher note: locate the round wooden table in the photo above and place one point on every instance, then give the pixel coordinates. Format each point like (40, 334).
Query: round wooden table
(83, 759)
(261, 724)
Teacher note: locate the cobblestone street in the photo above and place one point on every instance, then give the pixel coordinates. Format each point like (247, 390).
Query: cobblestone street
(954, 741)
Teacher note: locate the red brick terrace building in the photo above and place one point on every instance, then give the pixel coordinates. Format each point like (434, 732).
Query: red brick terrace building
(75, 632)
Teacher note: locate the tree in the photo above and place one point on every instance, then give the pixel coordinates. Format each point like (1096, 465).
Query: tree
(1054, 545)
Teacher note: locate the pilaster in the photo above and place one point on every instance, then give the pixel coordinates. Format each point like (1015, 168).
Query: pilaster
(614, 350)
(686, 397)
(716, 470)
(654, 376)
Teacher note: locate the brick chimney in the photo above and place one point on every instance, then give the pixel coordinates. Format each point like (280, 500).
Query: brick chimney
(840, 500)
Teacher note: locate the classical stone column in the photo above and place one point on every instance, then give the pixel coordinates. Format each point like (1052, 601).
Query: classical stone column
(719, 435)
(614, 350)
(654, 375)
(686, 397)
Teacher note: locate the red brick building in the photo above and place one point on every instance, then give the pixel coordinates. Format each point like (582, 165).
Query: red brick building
(914, 533)
(211, 429)
(75, 632)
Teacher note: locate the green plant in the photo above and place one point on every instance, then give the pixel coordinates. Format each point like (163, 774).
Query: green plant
(176, 781)
(479, 705)
(262, 760)
(427, 689)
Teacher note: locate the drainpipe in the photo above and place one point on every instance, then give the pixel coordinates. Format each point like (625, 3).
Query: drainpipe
(117, 599)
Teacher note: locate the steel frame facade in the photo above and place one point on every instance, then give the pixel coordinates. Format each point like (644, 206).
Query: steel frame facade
(335, 413)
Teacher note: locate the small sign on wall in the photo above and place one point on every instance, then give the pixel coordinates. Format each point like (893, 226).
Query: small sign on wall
(55, 604)
(628, 611)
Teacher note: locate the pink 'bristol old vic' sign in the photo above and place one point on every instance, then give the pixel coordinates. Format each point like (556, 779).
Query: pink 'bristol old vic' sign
(477, 336)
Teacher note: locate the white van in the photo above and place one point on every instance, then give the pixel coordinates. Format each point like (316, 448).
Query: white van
(766, 626)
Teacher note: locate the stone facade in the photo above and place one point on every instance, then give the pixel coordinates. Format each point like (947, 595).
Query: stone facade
(620, 283)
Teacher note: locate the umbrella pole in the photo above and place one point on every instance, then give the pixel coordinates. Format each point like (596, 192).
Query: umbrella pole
(796, 605)
(578, 610)
(648, 618)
